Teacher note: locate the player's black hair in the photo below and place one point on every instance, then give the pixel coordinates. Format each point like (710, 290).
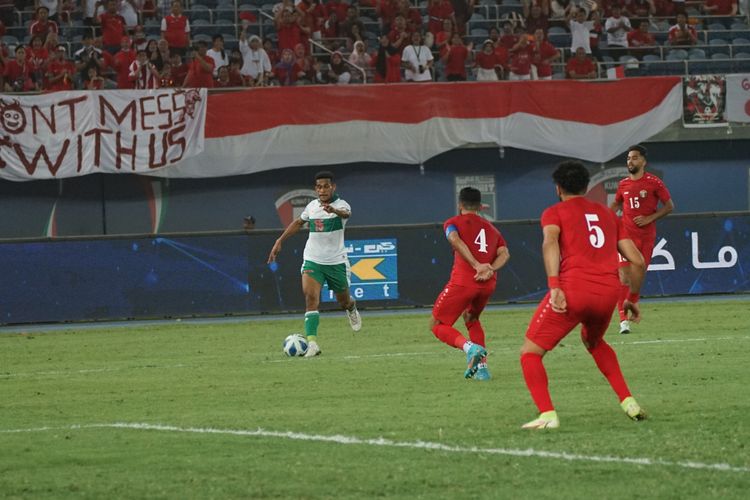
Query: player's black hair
(572, 177)
(324, 174)
(641, 149)
(470, 198)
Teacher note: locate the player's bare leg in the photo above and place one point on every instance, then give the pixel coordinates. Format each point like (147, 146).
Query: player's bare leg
(476, 335)
(536, 380)
(624, 272)
(449, 335)
(349, 305)
(311, 289)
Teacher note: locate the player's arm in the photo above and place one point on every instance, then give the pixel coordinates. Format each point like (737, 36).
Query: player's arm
(644, 220)
(551, 255)
(627, 249)
(501, 258)
(459, 246)
(341, 212)
(290, 230)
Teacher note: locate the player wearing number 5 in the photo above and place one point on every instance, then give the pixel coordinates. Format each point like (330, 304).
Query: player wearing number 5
(581, 241)
(480, 252)
(638, 195)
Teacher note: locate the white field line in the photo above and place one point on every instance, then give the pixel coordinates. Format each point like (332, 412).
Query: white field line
(55, 373)
(420, 445)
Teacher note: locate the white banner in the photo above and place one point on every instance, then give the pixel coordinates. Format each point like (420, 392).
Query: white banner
(738, 98)
(69, 134)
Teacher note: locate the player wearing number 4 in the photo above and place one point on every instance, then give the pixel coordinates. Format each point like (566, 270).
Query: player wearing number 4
(638, 195)
(581, 241)
(325, 259)
(480, 252)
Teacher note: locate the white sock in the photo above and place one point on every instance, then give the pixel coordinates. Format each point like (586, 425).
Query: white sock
(467, 346)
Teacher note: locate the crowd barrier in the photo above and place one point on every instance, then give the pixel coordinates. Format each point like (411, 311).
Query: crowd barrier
(182, 275)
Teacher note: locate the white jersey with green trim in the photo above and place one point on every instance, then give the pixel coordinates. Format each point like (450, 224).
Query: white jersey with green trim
(325, 244)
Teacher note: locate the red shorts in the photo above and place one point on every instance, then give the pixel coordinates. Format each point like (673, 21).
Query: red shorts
(455, 299)
(591, 308)
(645, 244)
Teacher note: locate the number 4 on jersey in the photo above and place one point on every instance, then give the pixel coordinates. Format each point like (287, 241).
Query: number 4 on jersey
(481, 241)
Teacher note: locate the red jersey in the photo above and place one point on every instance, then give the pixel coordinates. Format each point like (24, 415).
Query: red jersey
(641, 197)
(113, 28)
(58, 68)
(175, 30)
(439, 13)
(198, 77)
(456, 61)
(520, 61)
(289, 36)
(589, 233)
(580, 66)
(42, 28)
(638, 38)
(542, 52)
(486, 61)
(121, 63)
(483, 240)
(724, 7)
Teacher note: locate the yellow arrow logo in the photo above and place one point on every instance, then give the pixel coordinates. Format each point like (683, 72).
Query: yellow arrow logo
(365, 269)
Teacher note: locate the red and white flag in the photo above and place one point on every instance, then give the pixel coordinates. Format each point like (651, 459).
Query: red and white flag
(738, 98)
(616, 72)
(269, 128)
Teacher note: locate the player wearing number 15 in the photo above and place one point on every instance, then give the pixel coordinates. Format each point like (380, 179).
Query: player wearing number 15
(581, 241)
(480, 251)
(639, 195)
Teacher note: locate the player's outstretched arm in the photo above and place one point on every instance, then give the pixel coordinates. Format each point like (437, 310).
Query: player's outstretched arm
(341, 212)
(551, 255)
(290, 230)
(637, 272)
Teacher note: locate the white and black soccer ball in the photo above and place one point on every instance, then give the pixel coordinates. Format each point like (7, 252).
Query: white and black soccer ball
(295, 345)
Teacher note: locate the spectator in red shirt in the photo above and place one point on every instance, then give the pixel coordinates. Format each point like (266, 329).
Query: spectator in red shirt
(456, 56)
(143, 73)
(288, 29)
(682, 33)
(443, 37)
(486, 63)
(60, 71)
(113, 27)
(720, 7)
(439, 12)
(520, 59)
(305, 62)
(222, 78)
(665, 8)
(399, 35)
(201, 69)
(387, 62)
(581, 67)
(175, 29)
(385, 9)
(508, 38)
(38, 57)
(178, 69)
(93, 81)
(18, 73)
(643, 8)
(411, 15)
(286, 70)
(121, 63)
(640, 41)
(543, 55)
(336, 6)
(537, 20)
(42, 26)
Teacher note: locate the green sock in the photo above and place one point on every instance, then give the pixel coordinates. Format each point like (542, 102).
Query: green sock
(312, 319)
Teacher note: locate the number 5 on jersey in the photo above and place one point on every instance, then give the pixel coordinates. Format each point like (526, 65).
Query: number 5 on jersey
(597, 238)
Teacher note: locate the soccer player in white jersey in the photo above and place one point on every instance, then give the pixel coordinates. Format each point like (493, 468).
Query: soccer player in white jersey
(325, 258)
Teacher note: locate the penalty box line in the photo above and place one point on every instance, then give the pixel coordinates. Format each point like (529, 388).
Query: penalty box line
(383, 442)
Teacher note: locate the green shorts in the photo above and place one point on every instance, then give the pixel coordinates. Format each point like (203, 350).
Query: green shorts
(336, 275)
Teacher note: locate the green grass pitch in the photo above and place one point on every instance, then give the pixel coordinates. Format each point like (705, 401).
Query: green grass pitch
(214, 410)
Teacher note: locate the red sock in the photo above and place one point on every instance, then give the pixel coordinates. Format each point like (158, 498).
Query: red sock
(624, 291)
(606, 361)
(449, 335)
(536, 380)
(476, 332)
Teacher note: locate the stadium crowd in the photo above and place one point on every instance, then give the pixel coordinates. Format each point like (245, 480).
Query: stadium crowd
(51, 45)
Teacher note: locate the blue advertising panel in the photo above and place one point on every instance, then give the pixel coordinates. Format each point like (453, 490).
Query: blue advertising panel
(374, 270)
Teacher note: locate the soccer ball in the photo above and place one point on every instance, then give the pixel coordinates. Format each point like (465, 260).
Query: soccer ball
(295, 345)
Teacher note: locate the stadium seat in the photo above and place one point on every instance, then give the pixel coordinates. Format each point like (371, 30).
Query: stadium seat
(480, 32)
(718, 46)
(697, 53)
(10, 40)
(224, 14)
(741, 62)
(739, 44)
(202, 37)
(721, 63)
(677, 55)
(651, 64)
(199, 11)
